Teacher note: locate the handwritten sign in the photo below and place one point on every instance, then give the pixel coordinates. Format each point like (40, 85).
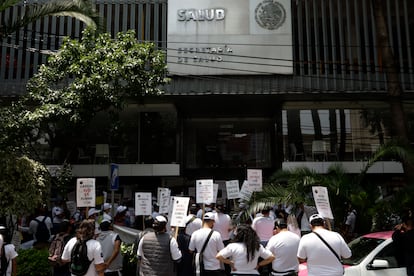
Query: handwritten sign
(143, 205)
(233, 189)
(205, 191)
(85, 192)
(179, 211)
(255, 179)
(321, 197)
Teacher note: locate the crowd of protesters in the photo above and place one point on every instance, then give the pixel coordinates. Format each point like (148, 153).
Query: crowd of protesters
(272, 241)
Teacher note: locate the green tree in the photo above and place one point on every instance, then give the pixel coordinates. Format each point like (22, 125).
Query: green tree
(94, 74)
(291, 186)
(80, 9)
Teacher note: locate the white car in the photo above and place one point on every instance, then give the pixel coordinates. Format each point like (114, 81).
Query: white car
(372, 254)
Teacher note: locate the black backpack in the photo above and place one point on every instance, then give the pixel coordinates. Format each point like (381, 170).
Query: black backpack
(42, 232)
(79, 258)
(3, 261)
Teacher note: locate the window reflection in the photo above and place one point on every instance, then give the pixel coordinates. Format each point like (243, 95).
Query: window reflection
(227, 143)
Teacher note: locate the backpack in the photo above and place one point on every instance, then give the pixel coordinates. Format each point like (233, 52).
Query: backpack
(79, 258)
(56, 249)
(42, 232)
(3, 261)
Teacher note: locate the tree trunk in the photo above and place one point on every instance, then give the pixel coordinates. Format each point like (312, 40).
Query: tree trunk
(399, 128)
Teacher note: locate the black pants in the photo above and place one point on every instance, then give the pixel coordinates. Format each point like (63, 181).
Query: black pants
(213, 273)
(112, 273)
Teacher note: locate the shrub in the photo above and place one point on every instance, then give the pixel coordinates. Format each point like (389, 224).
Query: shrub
(33, 262)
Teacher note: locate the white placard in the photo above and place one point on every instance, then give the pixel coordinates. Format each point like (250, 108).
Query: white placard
(179, 211)
(143, 206)
(246, 191)
(255, 179)
(321, 197)
(233, 189)
(204, 191)
(163, 199)
(85, 192)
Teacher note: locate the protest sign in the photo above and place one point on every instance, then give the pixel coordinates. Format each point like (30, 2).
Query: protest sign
(85, 192)
(255, 179)
(233, 189)
(179, 211)
(143, 206)
(204, 191)
(163, 200)
(321, 197)
(246, 191)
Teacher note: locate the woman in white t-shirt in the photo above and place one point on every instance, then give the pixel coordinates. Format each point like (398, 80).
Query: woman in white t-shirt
(243, 253)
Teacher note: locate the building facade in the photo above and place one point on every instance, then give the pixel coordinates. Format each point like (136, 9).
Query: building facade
(255, 84)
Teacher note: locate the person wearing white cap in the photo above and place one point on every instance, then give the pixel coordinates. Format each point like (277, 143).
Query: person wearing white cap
(106, 208)
(212, 266)
(284, 246)
(111, 249)
(92, 212)
(92, 215)
(157, 251)
(10, 253)
(120, 216)
(322, 249)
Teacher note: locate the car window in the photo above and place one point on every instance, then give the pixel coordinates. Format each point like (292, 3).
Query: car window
(360, 248)
(389, 253)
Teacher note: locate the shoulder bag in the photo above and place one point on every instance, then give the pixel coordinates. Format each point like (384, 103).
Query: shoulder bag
(198, 258)
(330, 248)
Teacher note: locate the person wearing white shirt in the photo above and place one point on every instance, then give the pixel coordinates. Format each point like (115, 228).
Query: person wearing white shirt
(243, 253)
(215, 244)
(284, 246)
(321, 261)
(222, 224)
(264, 226)
(86, 232)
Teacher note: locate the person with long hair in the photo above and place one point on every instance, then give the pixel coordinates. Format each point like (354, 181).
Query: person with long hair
(86, 232)
(244, 251)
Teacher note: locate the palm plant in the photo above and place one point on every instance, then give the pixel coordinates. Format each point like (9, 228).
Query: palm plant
(80, 9)
(292, 186)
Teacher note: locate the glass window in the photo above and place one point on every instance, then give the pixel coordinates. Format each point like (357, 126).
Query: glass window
(227, 143)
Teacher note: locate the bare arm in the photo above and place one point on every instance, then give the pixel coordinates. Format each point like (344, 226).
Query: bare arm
(14, 267)
(226, 261)
(100, 269)
(115, 253)
(265, 262)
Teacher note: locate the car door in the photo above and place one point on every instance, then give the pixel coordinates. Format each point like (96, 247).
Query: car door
(384, 262)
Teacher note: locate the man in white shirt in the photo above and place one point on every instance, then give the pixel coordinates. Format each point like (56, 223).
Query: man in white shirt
(320, 259)
(222, 224)
(284, 246)
(192, 222)
(264, 226)
(215, 244)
